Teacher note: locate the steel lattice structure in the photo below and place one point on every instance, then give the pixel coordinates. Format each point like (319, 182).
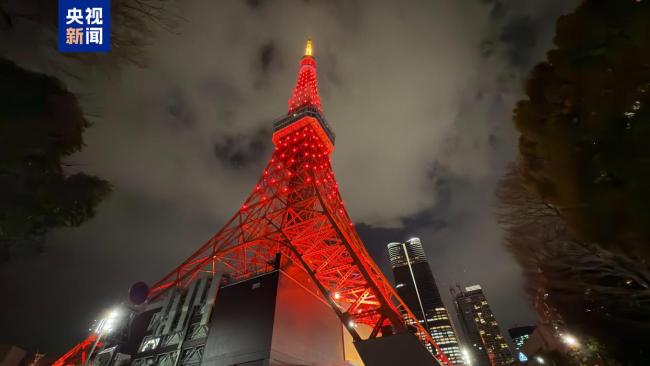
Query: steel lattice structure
(78, 354)
(296, 211)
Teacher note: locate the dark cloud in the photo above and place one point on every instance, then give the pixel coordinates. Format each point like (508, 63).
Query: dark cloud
(267, 54)
(498, 10)
(179, 108)
(242, 151)
(520, 38)
(254, 3)
(520, 29)
(423, 123)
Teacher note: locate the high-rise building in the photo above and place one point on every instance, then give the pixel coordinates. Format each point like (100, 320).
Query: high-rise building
(417, 287)
(519, 335)
(487, 346)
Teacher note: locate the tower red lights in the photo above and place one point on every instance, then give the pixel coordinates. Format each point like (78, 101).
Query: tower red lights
(306, 91)
(295, 211)
(78, 354)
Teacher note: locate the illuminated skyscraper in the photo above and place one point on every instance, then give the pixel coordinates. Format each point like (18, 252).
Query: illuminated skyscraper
(486, 344)
(417, 287)
(519, 335)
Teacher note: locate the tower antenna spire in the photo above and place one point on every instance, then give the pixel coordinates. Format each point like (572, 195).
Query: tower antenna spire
(305, 93)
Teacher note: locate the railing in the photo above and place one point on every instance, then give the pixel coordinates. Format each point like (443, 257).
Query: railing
(300, 113)
(172, 338)
(197, 331)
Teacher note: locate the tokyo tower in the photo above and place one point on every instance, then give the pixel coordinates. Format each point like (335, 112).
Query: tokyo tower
(294, 218)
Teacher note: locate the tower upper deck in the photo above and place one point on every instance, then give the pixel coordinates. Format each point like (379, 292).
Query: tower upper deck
(305, 105)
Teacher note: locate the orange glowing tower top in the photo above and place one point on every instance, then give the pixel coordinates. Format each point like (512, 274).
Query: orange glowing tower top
(306, 91)
(305, 106)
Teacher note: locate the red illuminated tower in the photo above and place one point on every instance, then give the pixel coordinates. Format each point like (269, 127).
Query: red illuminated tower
(295, 211)
(78, 355)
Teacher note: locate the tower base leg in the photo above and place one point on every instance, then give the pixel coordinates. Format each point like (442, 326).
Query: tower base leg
(398, 349)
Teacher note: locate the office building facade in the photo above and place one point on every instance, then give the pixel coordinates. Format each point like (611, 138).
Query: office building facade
(486, 345)
(417, 287)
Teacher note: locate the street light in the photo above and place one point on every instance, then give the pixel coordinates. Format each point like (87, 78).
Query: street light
(466, 356)
(105, 326)
(570, 340)
(108, 324)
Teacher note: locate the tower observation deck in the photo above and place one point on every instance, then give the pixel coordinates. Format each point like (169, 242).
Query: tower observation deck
(293, 221)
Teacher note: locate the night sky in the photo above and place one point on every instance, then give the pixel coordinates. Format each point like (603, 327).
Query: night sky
(419, 94)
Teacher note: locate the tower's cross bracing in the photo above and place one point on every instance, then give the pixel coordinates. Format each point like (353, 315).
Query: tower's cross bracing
(296, 211)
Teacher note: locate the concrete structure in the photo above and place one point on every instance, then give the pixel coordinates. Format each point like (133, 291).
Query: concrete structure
(272, 319)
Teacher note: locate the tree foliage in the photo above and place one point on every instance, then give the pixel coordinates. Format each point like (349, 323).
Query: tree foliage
(585, 126)
(41, 123)
(576, 206)
(599, 293)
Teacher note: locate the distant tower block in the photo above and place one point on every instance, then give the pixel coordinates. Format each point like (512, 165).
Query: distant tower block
(487, 346)
(417, 287)
(295, 212)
